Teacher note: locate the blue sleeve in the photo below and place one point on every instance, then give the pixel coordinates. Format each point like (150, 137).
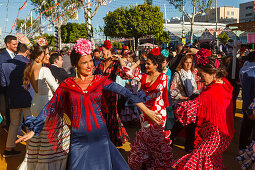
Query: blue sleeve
(246, 92)
(50, 109)
(3, 78)
(131, 97)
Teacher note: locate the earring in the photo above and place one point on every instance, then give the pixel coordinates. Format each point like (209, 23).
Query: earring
(37, 60)
(76, 72)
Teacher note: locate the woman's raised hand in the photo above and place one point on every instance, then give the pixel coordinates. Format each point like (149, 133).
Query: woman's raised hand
(23, 39)
(26, 137)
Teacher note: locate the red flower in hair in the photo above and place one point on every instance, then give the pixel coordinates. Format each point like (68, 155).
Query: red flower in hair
(108, 44)
(202, 56)
(156, 51)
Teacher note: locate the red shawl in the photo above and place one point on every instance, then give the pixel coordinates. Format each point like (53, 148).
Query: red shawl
(69, 98)
(216, 106)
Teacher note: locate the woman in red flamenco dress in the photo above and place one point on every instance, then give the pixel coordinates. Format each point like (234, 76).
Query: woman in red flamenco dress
(213, 108)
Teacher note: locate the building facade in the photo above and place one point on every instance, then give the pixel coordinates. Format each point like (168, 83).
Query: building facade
(247, 12)
(226, 15)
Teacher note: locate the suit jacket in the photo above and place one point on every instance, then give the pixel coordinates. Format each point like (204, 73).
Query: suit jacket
(67, 63)
(248, 89)
(59, 73)
(4, 57)
(11, 75)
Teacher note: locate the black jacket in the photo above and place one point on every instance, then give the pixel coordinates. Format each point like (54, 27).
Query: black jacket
(59, 73)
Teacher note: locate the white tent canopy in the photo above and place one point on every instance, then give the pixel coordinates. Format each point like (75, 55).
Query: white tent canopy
(198, 28)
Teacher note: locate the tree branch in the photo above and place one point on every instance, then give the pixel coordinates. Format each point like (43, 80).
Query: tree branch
(179, 7)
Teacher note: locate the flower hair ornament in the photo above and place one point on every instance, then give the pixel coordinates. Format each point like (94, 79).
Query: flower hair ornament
(165, 53)
(202, 56)
(155, 51)
(42, 41)
(217, 63)
(83, 47)
(108, 44)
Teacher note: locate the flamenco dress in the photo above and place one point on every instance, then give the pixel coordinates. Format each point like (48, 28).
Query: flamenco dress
(90, 144)
(213, 108)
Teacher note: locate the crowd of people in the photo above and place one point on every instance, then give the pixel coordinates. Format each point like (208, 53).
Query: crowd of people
(72, 105)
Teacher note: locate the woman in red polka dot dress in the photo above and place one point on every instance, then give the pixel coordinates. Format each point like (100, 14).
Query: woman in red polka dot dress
(151, 146)
(213, 108)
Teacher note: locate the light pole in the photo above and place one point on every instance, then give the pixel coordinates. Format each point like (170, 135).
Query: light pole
(216, 21)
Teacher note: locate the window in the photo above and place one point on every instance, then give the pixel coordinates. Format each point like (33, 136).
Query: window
(232, 13)
(228, 13)
(248, 15)
(249, 7)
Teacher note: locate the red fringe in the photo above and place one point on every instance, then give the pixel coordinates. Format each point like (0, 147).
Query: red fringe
(216, 106)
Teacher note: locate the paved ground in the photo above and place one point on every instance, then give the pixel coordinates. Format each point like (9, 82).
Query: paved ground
(229, 155)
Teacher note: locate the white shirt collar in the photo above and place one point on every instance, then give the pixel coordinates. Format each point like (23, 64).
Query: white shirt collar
(10, 53)
(55, 65)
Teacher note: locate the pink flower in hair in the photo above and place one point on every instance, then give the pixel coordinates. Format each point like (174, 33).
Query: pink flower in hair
(83, 46)
(217, 64)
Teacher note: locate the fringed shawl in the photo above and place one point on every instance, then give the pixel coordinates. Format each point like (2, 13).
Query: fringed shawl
(69, 98)
(216, 106)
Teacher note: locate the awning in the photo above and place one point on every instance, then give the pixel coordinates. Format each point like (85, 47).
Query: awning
(246, 26)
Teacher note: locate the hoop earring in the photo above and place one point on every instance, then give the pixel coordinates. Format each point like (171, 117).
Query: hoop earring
(37, 60)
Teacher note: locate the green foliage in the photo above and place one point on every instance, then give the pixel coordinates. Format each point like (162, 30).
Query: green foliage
(50, 38)
(135, 21)
(163, 38)
(223, 37)
(72, 31)
(117, 45)
(28, 24)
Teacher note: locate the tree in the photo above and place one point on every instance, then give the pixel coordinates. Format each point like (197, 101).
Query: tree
(163, 38)
(223, 37)
(117, 45)
(198, 6)
(57, 12)
(136, 21)
(51, 39)
(89, 14)
(21, 22)
(72, 31)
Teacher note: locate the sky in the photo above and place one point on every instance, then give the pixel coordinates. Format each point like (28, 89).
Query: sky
(97, 20)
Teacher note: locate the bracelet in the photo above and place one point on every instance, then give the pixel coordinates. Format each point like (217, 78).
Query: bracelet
(29, 44)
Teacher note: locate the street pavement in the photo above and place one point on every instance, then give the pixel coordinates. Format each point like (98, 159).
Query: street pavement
(178, 150)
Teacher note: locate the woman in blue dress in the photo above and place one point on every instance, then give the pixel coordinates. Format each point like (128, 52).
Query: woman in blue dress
(80, 98)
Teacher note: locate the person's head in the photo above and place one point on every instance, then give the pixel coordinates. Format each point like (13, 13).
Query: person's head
(124, 51)
(130, 57)
(81, 57)
(96, 54)
(11, 43)
(69, 52)
(250, 57)
(56, 59)
(23, 50)
(209, 68)
(186, 63)
(179, 48)
(62, 52)
(46, 58)
(106, 49)
(154, 61)
(38, 54)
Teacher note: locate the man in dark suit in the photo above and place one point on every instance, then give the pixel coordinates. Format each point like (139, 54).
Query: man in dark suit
(57, 71)
(6, 55)
(18, 99)
(248, 94)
